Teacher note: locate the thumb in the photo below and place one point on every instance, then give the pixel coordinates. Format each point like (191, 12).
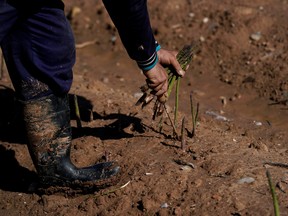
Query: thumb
(179, 69)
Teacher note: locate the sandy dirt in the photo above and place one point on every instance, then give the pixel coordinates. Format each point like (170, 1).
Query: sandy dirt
(239, 78)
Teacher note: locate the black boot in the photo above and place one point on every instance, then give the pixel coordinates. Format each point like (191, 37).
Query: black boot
(48, 128)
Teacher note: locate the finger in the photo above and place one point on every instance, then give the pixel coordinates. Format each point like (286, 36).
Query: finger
(159, 87)
(162, 90)
(152, 83)
(180, 72)
(175, 53)
(178, 67)
(159, 92)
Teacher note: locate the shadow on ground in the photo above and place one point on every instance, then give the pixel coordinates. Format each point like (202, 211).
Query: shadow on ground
(115, 130)
(13, 176)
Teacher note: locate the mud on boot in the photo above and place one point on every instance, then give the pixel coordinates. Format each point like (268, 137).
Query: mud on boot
(47, 123)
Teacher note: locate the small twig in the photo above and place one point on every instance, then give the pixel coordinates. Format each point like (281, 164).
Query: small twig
(77, 112)
(107, 192)
(183, 141)
(84, 44)
(123, 186)
(194, 115)
(114, 190)
(176, 100)
(197, 112)
(277, 164)
(174, 128)
(274, 197)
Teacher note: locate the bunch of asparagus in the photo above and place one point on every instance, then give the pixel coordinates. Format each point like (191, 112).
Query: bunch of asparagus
(184, 57)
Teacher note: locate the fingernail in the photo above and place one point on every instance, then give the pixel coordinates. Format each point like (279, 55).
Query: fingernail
(182, 73)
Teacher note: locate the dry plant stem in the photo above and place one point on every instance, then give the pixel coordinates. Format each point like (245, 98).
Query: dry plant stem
(183, 141)
(174, 128)
(194, 115)
(156, 109)
(274, 197)
(113, 190)
(104, 193)
(176, 100)
(283, 165)
(77, 112)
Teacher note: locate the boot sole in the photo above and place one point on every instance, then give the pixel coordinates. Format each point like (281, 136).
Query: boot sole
(57, 185)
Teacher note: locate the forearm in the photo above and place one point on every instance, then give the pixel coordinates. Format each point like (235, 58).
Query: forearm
(132, 21)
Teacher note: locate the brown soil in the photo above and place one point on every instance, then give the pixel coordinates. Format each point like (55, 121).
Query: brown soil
(239, 79)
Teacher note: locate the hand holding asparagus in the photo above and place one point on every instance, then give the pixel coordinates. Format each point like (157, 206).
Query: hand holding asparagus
(160, 81)
(157, 77)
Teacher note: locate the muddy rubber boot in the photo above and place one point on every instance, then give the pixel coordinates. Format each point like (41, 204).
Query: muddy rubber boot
(47, 122)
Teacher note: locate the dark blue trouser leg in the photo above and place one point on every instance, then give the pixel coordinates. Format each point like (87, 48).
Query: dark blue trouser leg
(39, 50)
(8, 17)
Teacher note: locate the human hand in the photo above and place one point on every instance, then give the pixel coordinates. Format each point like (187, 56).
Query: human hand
(157, 78)
(168, 58)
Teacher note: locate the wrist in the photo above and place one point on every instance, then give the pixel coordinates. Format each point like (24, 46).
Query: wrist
(151, 62)
(158, 47)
